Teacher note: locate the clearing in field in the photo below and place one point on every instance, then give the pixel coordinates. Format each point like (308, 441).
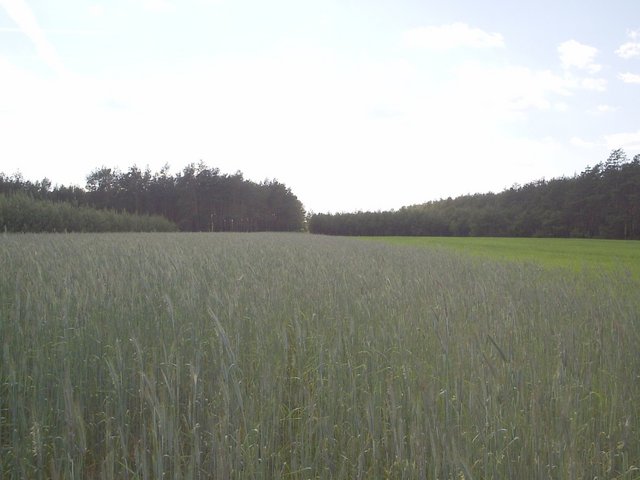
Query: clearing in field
(298, 356)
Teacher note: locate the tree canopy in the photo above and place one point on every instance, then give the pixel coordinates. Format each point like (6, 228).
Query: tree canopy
(199, 198)
(603, 201)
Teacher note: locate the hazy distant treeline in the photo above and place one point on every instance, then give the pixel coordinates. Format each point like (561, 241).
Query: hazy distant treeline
(199, 198)
(602, 201)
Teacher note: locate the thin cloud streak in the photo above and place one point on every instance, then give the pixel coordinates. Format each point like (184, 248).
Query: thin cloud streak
(445, 37)
(629, 78)
(629, 141)
(23, 16)
(55, 31)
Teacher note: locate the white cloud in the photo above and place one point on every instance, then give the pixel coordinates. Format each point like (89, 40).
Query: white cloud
(629, 141)
(446, 37)
(629, 77)
(574, 54)
(23, 16)
(630, 49)
(580, 143)
(509, 92)
(602, 109)
(596, 84)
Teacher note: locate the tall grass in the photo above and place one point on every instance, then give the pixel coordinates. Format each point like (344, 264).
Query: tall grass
(295, 356)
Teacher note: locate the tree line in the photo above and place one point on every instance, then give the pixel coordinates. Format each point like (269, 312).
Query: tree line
(20, 212)
(603, 201)
(199, 198)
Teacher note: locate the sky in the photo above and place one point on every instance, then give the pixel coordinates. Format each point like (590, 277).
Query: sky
(353, 104)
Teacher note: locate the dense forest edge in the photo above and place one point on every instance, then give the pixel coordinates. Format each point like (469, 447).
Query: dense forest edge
(601, 202)
(199, 198)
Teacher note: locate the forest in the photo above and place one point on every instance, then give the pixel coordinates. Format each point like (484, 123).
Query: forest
(199, 198)
(603, 201)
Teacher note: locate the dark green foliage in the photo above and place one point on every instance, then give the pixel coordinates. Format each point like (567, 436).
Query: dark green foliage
(21, 213)
(603, 202)
(199, 198)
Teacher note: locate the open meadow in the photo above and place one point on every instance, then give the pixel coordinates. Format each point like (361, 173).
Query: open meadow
(295, 356)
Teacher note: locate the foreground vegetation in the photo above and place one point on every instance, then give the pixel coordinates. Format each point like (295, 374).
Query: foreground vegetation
(296, 356)
(22, 213)
(601, 202)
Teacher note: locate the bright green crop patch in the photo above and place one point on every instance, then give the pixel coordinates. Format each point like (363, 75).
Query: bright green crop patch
(576, 254)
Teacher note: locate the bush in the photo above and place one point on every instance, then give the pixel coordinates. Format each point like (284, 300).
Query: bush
(21, 213)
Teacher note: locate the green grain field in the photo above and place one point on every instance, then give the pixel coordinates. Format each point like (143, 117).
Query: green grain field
(576, 254)
(267, 356)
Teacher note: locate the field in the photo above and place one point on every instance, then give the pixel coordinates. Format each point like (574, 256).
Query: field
(576, 254)
(298, 356)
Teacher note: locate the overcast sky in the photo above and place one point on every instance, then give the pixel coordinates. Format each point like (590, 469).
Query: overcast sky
(353, 104)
